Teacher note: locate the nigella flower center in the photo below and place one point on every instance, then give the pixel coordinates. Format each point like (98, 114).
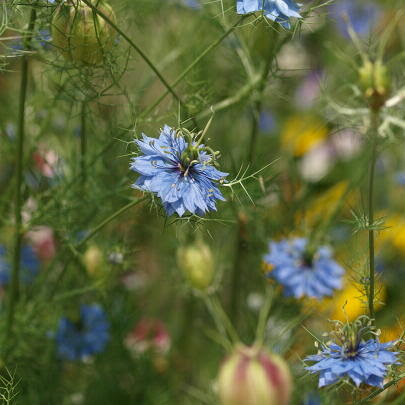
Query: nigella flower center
(79, 325)
(185, 168)
(350, 354)
(307, 260)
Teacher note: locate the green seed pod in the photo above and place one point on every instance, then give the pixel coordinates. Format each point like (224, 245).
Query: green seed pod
(253, 376)
(81, 35)
(197, 264)
(375, 82)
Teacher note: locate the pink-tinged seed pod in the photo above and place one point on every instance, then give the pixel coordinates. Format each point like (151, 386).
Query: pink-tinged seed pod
(253, 376)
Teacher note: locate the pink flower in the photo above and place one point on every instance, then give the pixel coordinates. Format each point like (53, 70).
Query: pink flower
(43, 241)
(148, 334)
(46, 162)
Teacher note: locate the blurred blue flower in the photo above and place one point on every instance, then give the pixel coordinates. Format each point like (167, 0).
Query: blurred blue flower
(312, 399)
(77, 340)
(29, 265)
(400, 178)
(279, 11)
(179, 171)
(300, 273)
(362, 15)
(308, 90)
(195, 4)
(365, 363)
(267, 121)
(43, 39)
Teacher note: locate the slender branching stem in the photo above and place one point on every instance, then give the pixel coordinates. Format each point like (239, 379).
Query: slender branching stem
(257, 105)
(373, 158)
(143, 55)
(73, 249)
(192, 65)
(18, 200)
(241, 247)
(380, 390)
(106, 221)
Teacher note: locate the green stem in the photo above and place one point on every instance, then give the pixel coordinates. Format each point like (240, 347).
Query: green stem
(371, 292)
(102, 224)
(138, 50)
(239, 265)
(15, 276)
(191, 66)
(217, 318)
(263, 316)
(83, 143)
(258, 103)
(242, 243)
(256, 111)
(379, 391)
(73, 249)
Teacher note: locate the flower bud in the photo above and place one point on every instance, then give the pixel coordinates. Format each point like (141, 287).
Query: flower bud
(93, 260)
(80, 34)
(197, 264)
(253, 376)
(374, 81)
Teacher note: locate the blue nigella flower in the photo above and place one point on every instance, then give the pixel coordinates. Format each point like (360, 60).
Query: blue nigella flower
(180, 171)
(400, 178)
(29, 265)
(279, 11)
(77, 340)
(366, 362)
(302, 274)
(362, 15)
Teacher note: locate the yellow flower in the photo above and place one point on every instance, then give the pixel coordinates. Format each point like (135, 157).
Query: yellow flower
(394, 233)
(302, 133)
(324, 206)
(393, 332)
(350, 303)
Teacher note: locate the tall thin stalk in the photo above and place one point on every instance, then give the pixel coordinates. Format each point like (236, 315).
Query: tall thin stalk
(373, 133)
(18, 201)
(83, 144)
(241, 246)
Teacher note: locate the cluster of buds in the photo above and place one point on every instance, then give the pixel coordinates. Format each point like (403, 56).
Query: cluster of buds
(81, 35)
(253, 376)
(375, 82)
(197, 264)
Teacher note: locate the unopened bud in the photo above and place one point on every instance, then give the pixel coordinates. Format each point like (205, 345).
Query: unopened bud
(81, 35)
(93, 260)
(197, 264)
(253, 376)
(375, 82)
